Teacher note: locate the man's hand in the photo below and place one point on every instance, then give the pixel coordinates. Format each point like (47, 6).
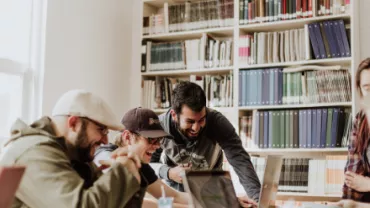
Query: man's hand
(175, 173)
(357, 182)
(127, 158)
(245, 201)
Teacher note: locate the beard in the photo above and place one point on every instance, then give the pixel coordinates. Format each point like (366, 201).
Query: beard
(185, 131)
(83, 153)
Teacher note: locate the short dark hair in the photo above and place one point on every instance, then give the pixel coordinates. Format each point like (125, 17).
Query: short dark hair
(190, 94)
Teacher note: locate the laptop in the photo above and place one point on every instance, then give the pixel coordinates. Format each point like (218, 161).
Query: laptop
(10, 178)
(214, 188)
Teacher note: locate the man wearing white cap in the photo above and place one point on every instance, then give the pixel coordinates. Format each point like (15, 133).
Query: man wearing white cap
(58, 152)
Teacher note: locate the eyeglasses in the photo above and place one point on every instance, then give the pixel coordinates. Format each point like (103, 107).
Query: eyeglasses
(101, 128)
(154, 141)
(151, 141)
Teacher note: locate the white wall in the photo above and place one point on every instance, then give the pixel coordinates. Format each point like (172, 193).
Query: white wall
(135, 96)
(88, 45)
(364, 26)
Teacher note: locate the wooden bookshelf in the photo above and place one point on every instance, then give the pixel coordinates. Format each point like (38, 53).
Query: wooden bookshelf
(235, 112)
(316, 105)
(219, 109)
(307, 197)
(314, 153)
(218, 31)
(332, 61)
(159, 3)
(189, 71)
(288, 24)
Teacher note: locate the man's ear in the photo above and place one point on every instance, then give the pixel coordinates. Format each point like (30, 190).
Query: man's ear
(173, 115)
(73, 123)
(126, 137)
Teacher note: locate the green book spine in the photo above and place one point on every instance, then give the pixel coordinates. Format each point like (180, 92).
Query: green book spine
(282, 129)
(287, 129)
(328, 127)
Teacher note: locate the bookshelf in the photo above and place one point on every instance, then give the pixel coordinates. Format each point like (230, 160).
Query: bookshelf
(234, 111)
(287, 24)
(324, 62)
(222, 31)
(308, 197)
(189, 71)
(266, 107)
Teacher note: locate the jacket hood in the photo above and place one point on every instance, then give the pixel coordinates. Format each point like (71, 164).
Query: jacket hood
(20, 129)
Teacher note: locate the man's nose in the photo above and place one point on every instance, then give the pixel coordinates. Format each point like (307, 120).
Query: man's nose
(195, 127)
(104, 139)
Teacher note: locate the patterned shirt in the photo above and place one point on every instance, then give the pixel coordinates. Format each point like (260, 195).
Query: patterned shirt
(355, 163)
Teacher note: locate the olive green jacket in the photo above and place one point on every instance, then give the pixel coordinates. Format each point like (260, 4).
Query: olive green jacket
(50, 179)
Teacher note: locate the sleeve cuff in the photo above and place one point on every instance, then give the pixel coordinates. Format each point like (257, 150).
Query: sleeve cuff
(163, 172)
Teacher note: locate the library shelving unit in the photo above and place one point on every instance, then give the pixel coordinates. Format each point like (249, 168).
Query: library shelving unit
(233, 31)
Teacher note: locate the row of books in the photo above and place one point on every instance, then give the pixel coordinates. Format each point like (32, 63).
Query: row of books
(303, 128)
(190, 16)
(205, 52)
(329, 39)
(329, 7)
(252, 11)
(304, 175)
(273, 47)
(218, 89)
(277, 86)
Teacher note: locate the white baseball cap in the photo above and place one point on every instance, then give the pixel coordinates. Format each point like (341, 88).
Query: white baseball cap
(82, 103)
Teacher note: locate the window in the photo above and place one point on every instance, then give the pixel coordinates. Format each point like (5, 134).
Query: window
(21, 47)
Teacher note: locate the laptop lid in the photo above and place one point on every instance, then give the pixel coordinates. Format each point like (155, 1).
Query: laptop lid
(211, 188)
(270, 182)
(10, 178)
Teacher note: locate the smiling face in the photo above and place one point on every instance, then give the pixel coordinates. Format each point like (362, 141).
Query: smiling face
(87, 137)
(189, 122)
(142, 146)
(365, 82)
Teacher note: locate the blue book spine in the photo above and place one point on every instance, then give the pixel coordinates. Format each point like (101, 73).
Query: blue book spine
(300, 130)
(309, 128)
(318, 127)
(265, 129)
(313, 128)
(240, 99)
(260, 86)
(304, 126)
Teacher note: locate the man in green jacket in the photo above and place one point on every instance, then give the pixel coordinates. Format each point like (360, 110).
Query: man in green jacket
(58, 152)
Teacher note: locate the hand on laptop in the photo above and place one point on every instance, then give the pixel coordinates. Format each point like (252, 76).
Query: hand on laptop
(175, 172)
(245, 201)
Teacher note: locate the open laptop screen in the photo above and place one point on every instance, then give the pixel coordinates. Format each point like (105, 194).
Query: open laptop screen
(210, 189)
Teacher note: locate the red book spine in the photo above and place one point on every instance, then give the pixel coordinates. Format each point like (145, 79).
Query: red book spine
(327, 7)
(309, 13)
(304, 8)
(284, 9)
(298, 9)
(250, 7)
